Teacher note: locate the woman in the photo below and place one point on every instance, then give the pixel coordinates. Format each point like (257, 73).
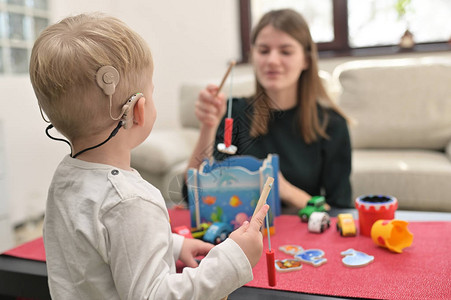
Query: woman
(290, 114)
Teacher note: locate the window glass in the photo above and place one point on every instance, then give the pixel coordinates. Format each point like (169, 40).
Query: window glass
(21, 21)
(377, 22)
(318, 14)
(2, 25)
(16, 2)
(16, 23)
(40, 4)
(2, 68)
(39, 25)
(19, 60)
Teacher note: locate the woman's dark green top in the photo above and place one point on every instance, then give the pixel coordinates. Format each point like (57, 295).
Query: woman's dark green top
(320, 168)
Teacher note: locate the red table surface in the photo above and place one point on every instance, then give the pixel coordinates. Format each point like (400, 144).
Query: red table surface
(422, 271)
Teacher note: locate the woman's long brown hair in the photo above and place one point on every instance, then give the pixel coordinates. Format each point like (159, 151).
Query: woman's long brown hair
(310, 87)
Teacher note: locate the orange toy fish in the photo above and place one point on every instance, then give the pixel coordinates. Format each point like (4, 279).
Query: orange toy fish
(209, 200)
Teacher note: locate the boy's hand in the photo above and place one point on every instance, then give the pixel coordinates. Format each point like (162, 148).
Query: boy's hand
(249, 236)
(210, 108)
(192, 248)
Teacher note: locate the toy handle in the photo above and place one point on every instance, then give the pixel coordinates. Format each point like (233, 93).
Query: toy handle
(270, 264)
(228, 132)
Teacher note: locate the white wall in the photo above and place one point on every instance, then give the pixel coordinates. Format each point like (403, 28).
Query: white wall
(189, 39)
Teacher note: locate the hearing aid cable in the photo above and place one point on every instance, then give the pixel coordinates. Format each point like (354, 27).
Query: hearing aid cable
(112, 134)
(121, 123)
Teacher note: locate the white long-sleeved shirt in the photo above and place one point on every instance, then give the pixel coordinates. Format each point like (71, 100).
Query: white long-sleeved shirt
(107, 236)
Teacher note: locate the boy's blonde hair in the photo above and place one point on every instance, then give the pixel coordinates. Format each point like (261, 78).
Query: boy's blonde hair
(63, 66)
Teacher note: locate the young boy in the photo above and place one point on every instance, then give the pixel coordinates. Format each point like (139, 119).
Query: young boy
(107, 233)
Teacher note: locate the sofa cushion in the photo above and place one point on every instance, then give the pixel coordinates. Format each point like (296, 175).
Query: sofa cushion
(419, 179)
(448, 150)
(397, 103)
(163, 149)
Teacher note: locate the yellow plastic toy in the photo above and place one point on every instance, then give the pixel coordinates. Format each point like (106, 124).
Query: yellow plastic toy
(346, 225)
(391, 234)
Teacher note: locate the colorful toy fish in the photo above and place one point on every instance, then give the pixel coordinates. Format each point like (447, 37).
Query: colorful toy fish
(287, 265)
(240, 218)
(314, 257)
(291, 249)
(209, 200)
(354, 258)
(235, 201)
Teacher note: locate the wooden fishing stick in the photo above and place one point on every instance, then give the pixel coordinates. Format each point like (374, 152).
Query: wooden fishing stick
(263, 196)
(271, 268)
(232, 64)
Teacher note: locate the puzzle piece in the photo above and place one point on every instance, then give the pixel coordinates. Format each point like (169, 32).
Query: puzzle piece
(353, 258)
(291, 249)
(288, 265)
(312, 256)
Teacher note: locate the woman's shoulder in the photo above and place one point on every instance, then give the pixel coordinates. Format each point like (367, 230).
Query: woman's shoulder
(337, 125)
(334, 117)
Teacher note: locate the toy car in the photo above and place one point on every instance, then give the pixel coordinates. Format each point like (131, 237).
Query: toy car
(183, 230)
(315, 204)
(198, 233)
(346, 225)
(217, 232)
(318, 222)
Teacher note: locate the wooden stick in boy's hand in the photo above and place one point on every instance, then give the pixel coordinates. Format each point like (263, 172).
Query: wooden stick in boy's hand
(264, 194)
(249, 237)
(269, 253)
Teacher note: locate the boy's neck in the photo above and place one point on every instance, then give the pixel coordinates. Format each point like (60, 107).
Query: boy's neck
(114, 152)
(121, 161)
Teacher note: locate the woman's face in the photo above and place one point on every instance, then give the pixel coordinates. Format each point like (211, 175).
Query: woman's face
(278, 60)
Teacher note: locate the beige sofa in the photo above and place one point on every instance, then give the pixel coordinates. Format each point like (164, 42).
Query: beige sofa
(401, 131)
(402, 136)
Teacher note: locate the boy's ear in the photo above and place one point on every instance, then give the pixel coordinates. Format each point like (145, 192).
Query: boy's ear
(139, 112)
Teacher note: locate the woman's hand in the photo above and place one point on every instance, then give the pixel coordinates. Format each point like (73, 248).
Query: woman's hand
(210, 108)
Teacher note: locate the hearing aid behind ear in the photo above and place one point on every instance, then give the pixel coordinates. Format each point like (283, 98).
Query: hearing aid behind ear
(107, 78)
(127, 110)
